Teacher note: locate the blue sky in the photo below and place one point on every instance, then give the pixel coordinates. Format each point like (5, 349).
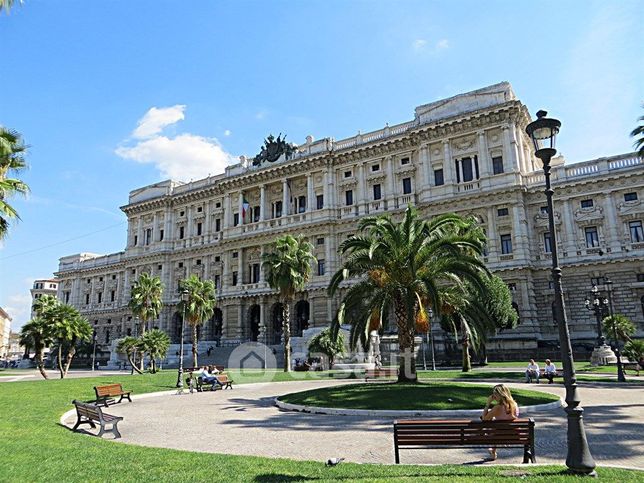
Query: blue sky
(114, 95)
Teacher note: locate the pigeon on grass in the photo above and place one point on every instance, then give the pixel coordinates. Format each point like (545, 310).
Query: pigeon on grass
(334, 461)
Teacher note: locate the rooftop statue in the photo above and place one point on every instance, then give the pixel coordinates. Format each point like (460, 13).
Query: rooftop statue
(273, 149)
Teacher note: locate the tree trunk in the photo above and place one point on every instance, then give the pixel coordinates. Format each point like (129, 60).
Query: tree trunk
(286, 330)
(40, 362)
(407, 364)
(194, 345)
(60, 360)
(467, 363)
(132, 363)
(70, 356)
(483, 360)
(154, 364)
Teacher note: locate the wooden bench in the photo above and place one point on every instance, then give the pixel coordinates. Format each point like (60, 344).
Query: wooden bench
(380, 373)
(91, 413)
(543, 375)
(463, 432)
(222, 381)
(105, 394)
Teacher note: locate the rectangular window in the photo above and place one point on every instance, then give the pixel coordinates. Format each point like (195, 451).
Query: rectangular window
(198, 261)
(161, 233)
(348, 197)
(181, 232)
(301, 204)
(543, 210)
(502, 212)
(234, 278)
(592, 237)
(376, 192)
(217, 224)
(278, 209)
(320, 201)
(506, 244)
(86, 299)
(404, 161)
(635, 227)
(438, 177)
(218, 204)
(497, 164)
(159, 267)
(320, 241)
(586, 203)
(255, 273)
(217, 282)
(199, 209)
(112, 296)
(640, 277)
(468, 173)
(136, 240)
(547, 242)
(181, 213)
(235, 254)
(256, 214)
(320, 267)
(198, 229)
(630, 196)
(67, 297)
(406, 185)
(180, 264)
(235, 219)
(375, 167)
(347, 174)
(217, 258)
(148, 236)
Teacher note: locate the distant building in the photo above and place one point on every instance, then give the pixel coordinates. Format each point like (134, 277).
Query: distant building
(468, 154)
(43, 287)
(5, 331)
(15, 351)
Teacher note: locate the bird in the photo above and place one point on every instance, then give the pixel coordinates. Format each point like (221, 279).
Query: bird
(334, 461)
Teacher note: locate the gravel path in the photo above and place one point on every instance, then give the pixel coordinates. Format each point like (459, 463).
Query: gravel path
(245, 421)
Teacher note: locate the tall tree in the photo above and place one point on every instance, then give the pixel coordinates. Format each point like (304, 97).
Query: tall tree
(619, 325)
(404, 266)
(287, 265)
(67, 327)
(12, 161)
(199, 307)
(7, 4)
(328, 344)
(35, 334)
(155, 343)
(145, 299)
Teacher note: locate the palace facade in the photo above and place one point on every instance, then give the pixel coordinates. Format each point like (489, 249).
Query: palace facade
(468, 154)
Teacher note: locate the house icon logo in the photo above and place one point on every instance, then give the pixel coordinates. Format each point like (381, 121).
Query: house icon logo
(253, 360)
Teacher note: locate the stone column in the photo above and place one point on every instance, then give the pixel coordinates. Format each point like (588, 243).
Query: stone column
(310, 193)
(484, 156)
(262, 321)
(241, 333)
(390, 194)
(207, 220)
(189, 231)
(228, 216)
(492, 243)
(448, 168)
(569, 227)
(262, 202)
(510, 148)
(241, 207)
(139, 231)
(285, 198)
(155, 228)
(326, 193)
(240, 260)
(226, 280)
(423, 160)
(523, 165)
(362, 188)
(167, 235)
(522, 248)
(611, 223)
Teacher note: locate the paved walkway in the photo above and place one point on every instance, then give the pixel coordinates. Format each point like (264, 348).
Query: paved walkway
(245, 421)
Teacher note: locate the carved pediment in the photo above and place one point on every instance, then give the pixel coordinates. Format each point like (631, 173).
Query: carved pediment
(541, 219)
(463, 144)
(630, 207)
(583, 215)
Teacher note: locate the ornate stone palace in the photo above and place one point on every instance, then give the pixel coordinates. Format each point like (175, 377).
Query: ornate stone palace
(468, 154)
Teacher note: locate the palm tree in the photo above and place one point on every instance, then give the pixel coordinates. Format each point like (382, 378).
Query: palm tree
(200, 305)
(155, 343)
(620, 326)
(288, 269)
(638, 134)
(45, 303)
(405, 266)
(129, 346)
(145, 299)
(7, 4)
(11, 161)
(35, 334)
(67, 327)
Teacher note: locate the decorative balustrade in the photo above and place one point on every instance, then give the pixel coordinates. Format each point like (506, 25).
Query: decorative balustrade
(586, 168)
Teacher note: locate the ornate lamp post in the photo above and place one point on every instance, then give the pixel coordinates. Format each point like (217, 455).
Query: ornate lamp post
(596, 303)
(543, 133)
(185, 295)
(431, 338)
(620, 369)
(94, 349)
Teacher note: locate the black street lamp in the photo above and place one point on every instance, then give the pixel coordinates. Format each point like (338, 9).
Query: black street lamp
(185, 296)
(543, 133)
(599, 306)
(620, 369)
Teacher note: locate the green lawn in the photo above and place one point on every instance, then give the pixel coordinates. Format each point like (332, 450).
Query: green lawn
(35, 448)
(426, 396)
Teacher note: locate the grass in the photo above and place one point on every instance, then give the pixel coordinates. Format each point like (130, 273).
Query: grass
(36, 448)
(427, 396)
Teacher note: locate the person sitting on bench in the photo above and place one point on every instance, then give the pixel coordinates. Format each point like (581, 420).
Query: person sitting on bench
(532, 371)
(550, 371)
(500, 406)
(208, 376)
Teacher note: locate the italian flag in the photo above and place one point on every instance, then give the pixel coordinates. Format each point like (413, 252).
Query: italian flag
(245, 206)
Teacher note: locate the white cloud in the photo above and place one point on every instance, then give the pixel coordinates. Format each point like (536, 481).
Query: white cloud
(182, 157)
(158, 118)
(18, 305)
(419, 44)
(259, 115)
(442, 44)
(227, 132)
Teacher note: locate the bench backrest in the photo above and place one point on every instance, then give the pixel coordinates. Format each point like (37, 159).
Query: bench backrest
(222, 378)
(90, 411)
(108, 390)
(463, 432)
